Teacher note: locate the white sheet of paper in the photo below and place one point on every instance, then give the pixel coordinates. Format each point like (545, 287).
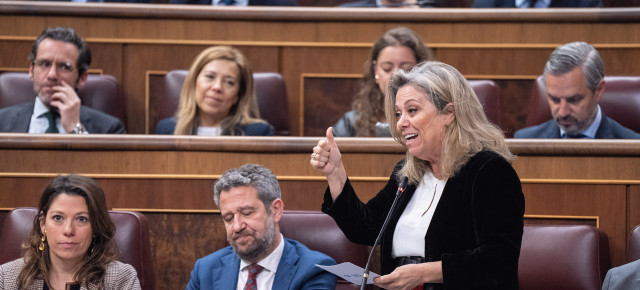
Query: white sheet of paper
(349, 272)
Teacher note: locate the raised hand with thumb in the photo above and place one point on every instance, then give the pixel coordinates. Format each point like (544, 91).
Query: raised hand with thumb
(326, 159)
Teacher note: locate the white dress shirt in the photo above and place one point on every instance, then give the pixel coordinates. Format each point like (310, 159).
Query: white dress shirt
(39, 123)
(264, 280)
(237, 3)
(539, 3)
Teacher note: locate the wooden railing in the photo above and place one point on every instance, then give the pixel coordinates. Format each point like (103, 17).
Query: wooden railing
(169, 178)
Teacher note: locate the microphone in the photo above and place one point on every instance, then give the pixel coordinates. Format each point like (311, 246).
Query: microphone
(401, 186)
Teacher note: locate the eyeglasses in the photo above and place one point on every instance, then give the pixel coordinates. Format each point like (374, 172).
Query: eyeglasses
(45, 64)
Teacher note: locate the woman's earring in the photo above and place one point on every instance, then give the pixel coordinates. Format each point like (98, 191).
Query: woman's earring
(93, 243)
(44, 237)
(377, 77)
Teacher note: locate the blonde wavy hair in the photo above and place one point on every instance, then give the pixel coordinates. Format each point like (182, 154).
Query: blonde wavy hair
(470, 131)
(245, 111)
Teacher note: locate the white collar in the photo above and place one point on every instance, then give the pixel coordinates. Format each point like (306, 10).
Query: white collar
(39, 108)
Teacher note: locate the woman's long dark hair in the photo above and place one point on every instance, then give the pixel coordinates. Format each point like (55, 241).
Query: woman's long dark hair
(369, 101)
(103, 249)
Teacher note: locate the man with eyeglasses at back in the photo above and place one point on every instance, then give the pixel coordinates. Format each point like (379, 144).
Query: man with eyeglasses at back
(59, 62)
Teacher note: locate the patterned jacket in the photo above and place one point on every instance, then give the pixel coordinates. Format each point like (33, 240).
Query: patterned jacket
(118, 276)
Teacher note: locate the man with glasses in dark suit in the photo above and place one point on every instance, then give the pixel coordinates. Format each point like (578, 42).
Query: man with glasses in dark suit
(59, 62)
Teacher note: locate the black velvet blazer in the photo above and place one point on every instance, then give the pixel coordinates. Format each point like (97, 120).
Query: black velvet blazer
(476, 230)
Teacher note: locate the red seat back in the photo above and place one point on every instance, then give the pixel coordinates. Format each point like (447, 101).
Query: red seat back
(101, 92)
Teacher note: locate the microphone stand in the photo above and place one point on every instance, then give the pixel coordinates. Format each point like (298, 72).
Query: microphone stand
(401, 186)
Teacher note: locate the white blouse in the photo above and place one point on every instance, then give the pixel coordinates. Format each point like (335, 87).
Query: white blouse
(411, 229)
(208, 131)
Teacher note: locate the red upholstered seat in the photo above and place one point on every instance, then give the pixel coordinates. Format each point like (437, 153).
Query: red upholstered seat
(270, 91)
(319, 232)
(563, 257)
(132, 235)
(488, 93)
(621, 101)
(101, 92)
(551, 257)
(633, 253)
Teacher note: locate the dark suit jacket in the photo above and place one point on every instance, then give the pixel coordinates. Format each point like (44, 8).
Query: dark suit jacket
(609, 129)
(17, 118)
(168, 125)
(554, 3)
(344, 127)
(128, 1)
(296, 270)
(626, 276)
(251, 2)
(476, 230)
(363, 3)
(373, 3)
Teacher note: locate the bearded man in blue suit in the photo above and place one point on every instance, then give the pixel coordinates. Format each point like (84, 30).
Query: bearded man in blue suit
(259, 256)
(574, 84)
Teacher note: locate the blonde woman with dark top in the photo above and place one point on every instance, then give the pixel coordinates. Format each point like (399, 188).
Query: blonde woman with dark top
(217, 98)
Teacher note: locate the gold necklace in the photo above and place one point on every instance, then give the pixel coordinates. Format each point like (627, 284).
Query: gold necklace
(432, 198)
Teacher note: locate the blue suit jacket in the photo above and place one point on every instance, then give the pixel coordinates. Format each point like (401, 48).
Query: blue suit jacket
(17, 118)
(554, 3)
(362, 3)
(296, 270)
(626, 276)
(609, 129)
(168, 125)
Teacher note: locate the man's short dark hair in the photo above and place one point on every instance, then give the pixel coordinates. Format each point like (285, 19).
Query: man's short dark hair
(67, 35)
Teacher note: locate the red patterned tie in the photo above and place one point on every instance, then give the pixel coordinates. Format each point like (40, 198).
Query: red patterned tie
(254, 270)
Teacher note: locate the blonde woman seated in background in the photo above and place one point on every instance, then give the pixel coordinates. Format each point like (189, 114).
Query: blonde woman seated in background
(217, 98)
(72, 243)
